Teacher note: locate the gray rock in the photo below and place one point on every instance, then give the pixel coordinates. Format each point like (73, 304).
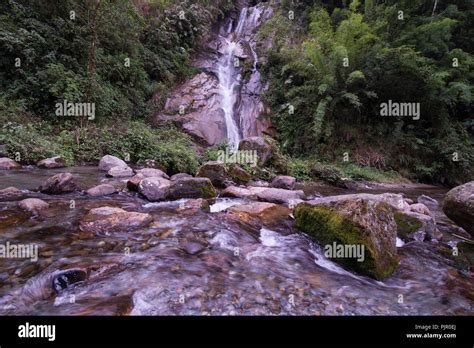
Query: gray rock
(152, 172)
(53, 162)
(120, 172)
(59, 183)
(107, 162)
(101, 190)
(7, 163)
(284, 182)
(428, 201)
(458, 205)
(180, 176)
(280, 196)
(154, 188)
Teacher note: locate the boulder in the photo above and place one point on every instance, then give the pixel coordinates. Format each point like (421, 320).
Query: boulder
(412, 225)
(191, 188)
(59, 183)
(351, 222)
(215, 171)
(134, 182)
(152, 172)
(108, 162)
(280, 196)
(7, 163)
(180, 176)
(101, 190)
(262, 146)
(120, 172)
(53, 162)
(284, 182)
(154, 188)
(105, 220)
(238, 174)
(33, 204)
(458, 205)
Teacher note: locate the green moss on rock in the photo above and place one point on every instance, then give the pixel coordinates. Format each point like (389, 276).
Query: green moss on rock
(406, 224)
(327, 226)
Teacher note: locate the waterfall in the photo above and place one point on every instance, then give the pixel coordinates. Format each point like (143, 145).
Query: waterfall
(230, 79)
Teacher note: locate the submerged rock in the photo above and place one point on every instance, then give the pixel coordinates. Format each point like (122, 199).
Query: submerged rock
(59, 183)
(7, 163)
(458, 205)
(101, 190)
(350, 222)
(33, 204)
(53, 162)
(104, 220)
(191, 188)
(108, 162)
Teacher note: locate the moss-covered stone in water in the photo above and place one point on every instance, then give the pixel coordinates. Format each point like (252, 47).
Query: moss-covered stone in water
(327, 226)
(406, 224)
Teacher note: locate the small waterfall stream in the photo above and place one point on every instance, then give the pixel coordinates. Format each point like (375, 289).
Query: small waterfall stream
(229, 73)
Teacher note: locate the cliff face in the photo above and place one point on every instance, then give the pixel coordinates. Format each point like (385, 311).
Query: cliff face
(218, 103)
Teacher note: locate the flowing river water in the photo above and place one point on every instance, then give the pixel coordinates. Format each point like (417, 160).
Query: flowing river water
(202, 263)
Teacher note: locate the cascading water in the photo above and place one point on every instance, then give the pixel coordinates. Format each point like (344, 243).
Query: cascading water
(228, 82)
(229, 79)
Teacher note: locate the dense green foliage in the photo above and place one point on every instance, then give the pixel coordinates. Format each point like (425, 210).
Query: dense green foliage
(339, 63)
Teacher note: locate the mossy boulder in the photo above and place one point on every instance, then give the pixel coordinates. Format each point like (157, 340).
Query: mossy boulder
(191, 188)
(223, 175)
(354, 222)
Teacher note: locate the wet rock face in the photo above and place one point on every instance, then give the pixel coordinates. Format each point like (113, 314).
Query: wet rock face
(108, 162)
(67, 278)
(134, 182)
(195, 106)
(8, 163)
(458, 205)
(59, 183)
(106, 220)
(354, 222)
(53, 162)
(191, 188)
